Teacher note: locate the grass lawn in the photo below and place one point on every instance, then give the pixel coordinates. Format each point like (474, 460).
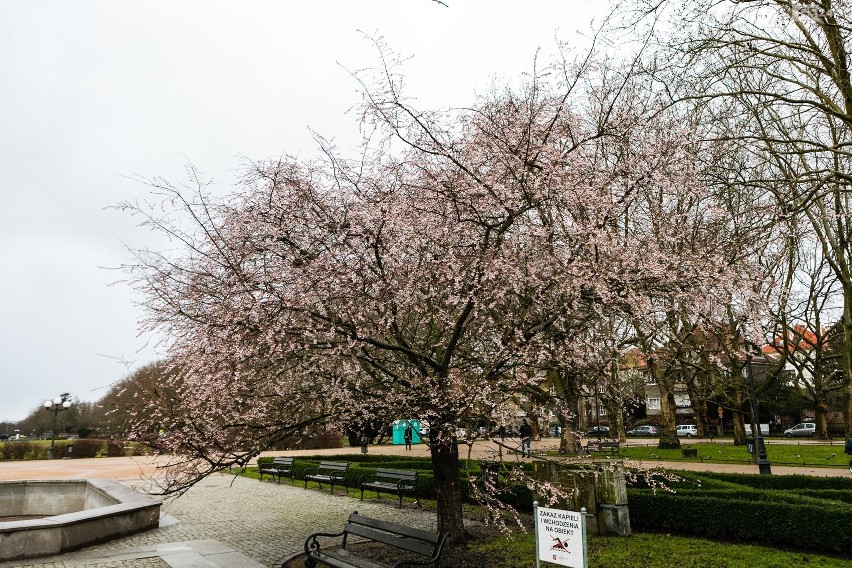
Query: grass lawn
(662, 551)
(645, 550)
(725, 452)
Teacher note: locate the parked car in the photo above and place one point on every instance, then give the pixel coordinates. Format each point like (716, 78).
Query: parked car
(803, 430)
(643, 431)
(599, 432)
(688, 430)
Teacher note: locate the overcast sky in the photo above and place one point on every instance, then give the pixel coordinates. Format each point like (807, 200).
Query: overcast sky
(93, 93)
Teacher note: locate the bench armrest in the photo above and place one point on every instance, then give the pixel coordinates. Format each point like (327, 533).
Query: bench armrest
(365, 477)
(311, 470)
(311, 543)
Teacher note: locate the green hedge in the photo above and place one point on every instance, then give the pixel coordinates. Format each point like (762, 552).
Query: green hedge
(517, 496)
(81, 448)
(782, 482)
(792, 510)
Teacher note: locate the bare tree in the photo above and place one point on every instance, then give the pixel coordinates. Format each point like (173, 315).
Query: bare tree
(781, 67)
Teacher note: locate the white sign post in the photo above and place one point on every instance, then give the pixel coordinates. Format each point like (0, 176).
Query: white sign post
(560, 537)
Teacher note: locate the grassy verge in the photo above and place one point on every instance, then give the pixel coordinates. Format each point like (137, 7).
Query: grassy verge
(661, 551)
(821, 455)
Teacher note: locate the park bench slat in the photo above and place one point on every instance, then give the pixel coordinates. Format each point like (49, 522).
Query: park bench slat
(427, 544)
(280, 467)
(398, 481)
(328, 472)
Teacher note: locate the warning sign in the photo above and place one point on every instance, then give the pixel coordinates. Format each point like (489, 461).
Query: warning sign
(560, 537)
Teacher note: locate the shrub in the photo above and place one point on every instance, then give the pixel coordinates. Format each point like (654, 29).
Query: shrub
(16, 450)
(782, 482)
(137, 449)
(313, 440)
(86, 448)
(794, 511)
(115, 448)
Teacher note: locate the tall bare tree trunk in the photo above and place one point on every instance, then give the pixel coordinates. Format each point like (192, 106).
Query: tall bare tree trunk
(739, 428)
(569, 440)
(668, 421)
(847, 358)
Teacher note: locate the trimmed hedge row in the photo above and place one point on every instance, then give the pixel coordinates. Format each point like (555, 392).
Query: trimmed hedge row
(81, 448)
(804, 525)
(782, 482)
(792, 510)
(518, 496)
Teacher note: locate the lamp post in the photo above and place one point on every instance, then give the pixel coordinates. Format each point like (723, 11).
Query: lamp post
(55, 405)
(763, 464)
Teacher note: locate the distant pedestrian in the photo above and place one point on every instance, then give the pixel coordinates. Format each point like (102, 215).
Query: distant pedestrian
(408, 435)
(502, 431)
(526, 439)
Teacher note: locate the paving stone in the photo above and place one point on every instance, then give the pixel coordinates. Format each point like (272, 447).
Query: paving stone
(223, 515)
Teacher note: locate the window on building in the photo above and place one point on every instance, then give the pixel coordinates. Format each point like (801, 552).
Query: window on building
(601, 411)
(653, 404)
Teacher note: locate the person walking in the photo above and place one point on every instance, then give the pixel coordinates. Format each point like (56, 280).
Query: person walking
(526, 439)
(502, 431)
(407, 435)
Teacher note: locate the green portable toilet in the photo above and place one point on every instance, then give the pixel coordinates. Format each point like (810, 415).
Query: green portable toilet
(415, 431)
(398, 431)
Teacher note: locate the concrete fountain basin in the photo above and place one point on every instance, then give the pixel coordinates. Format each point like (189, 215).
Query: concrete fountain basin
(48, 517)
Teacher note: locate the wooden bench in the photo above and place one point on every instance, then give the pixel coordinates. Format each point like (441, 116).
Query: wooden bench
(278, 468)
(328, 472)
(397, 481)
(612, 446)
(426, 546)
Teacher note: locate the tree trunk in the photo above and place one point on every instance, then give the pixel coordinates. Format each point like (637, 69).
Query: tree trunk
(616, 423)
(847, 359)
(739, 428)
(445, 468)
(569, 442)
(569, 439)
(820, 413)
(699, 407)
(668, 429)
(533, 417)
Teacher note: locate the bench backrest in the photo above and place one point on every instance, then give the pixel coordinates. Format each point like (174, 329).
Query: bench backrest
(397, 474)
(425, 543)
(337, 467)
(606, 444)
(283, 461)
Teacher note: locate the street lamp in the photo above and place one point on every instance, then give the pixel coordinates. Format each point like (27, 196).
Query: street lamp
(57, 404)
(759, 448)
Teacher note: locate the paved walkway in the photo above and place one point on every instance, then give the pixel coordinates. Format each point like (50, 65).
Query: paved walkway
(234, 522)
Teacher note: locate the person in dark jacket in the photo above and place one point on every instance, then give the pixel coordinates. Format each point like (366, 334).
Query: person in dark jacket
(526, 439)
(407, 435)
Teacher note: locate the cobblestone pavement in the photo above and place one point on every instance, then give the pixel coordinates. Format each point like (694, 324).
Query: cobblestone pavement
(261, 520)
